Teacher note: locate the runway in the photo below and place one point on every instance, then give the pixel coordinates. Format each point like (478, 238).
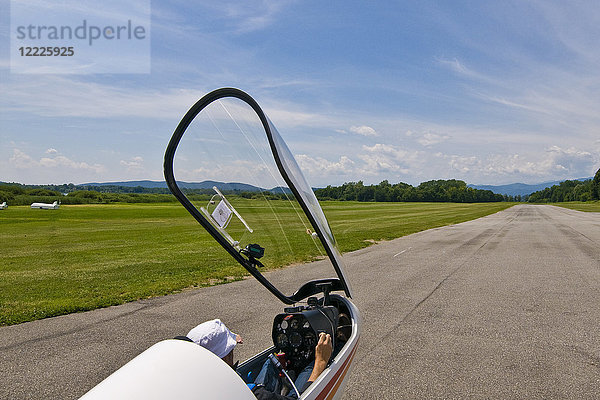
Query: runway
(506, 306)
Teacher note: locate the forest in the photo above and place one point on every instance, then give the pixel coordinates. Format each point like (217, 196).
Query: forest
(452, 190)
(16, 194)
(19, 195)
(569, 191)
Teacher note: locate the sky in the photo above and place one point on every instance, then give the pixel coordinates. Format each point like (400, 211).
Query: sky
(408, 91)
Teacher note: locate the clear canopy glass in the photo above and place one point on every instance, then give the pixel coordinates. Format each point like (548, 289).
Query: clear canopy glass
(245, 182)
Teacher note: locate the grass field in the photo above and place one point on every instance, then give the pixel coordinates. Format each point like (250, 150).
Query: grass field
(89, 256)
(588, 206)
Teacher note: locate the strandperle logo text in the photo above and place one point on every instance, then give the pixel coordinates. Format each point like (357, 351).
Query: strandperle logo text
(85, 31)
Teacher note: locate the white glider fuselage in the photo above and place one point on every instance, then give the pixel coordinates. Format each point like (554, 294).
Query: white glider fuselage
(46, 206)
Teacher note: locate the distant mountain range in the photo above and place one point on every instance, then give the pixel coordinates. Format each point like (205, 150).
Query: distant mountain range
(233, 186)
(144, 183)
(520, 189)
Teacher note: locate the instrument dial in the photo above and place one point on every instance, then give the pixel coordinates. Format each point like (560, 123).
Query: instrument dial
(282, 340)
(295, 339)
(310, 340)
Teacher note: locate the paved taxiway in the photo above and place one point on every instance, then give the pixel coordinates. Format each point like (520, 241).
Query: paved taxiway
(506, 306)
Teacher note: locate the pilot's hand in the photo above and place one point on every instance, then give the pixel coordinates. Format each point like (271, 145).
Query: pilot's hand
(323, 349)
(323, 352)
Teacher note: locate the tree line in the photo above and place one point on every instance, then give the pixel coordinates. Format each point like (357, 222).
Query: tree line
(569, 191)
(18, 195)
(452, 190)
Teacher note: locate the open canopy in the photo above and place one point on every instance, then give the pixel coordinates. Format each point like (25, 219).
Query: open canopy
(229, 167)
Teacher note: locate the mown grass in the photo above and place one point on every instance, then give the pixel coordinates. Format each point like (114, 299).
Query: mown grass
(83, 257)
(587, 206)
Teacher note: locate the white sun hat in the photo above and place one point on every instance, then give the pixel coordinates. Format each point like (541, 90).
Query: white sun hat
(214, 336)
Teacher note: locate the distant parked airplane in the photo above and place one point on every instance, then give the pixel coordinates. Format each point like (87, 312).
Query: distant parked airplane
(3, 206)
(46, 206)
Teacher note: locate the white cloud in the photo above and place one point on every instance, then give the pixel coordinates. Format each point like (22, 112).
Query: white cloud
(134, 164)
(319, 165)
(363, 130)
(463, 164)
(21, 160)
(51, 151)
(571, 160)
(383, 158)
(64, 162)
(427, 138)
(554, 164)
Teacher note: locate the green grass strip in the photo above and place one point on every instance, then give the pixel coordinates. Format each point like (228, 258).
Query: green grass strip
(587, 206)
(83, 257)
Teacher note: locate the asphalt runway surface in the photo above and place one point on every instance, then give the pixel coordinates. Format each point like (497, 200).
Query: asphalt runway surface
(506, 306)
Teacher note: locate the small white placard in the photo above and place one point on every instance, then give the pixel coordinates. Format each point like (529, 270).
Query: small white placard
(221, 214)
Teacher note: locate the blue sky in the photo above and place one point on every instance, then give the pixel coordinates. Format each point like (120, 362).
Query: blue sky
(408, 91)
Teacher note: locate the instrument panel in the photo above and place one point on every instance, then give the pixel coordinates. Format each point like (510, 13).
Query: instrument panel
(296, 332)
(294, 336)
